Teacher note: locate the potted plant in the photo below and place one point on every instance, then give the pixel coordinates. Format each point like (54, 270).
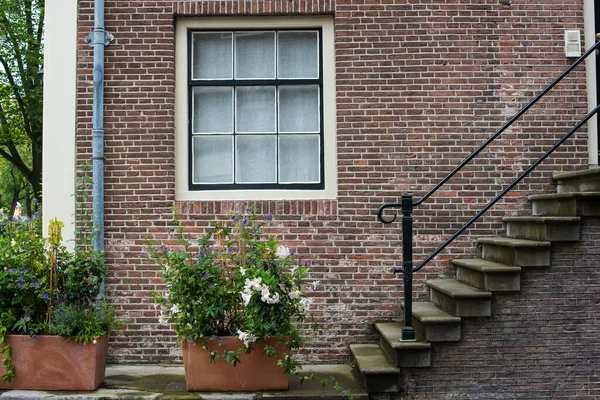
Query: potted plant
(53, 329)
(235, 299)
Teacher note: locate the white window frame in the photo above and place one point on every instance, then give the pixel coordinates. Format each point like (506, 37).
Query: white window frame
(182, 191)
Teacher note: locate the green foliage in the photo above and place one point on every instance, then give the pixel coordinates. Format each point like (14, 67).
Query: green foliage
(81, 322)
(234, 281)
(84, 228)
(21, 59)
(7, 363)
(46, 289)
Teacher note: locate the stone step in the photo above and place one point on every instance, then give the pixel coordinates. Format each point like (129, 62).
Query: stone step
(578, 181)
(434, 324)
(459, 299)
(564, 229)
(517, 252)
(379, 373)
(488, 275)
(402, 354)
(582, 204)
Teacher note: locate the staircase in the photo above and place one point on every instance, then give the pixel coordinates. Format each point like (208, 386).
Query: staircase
(497, 269)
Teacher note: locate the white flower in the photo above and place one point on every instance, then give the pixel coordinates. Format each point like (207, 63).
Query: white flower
(273, 299)
(252, 284)
(264, 290)
(246, 296)
(295, 294)
(94, 341)
(265, 295)
(247, 338)
(314, 285)
(162, 320)
(242, 271)
(305, 303)
(175, 309)
(13, 242)
(282, 252)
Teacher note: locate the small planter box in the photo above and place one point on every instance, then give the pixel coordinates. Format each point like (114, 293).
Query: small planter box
(256, 371)
(56, 363)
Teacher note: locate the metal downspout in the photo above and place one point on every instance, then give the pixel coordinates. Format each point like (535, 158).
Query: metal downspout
(98, 39)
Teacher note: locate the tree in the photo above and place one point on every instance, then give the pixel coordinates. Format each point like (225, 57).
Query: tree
(21, 57)
(14, 189)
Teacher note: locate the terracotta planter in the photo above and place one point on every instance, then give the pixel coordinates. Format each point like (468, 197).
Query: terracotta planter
(255, 371)
(55, 363)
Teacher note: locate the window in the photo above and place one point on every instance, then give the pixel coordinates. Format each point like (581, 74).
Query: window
(258, 109)
(255, 104)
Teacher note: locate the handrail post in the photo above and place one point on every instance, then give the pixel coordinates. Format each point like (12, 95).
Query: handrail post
(408, 333)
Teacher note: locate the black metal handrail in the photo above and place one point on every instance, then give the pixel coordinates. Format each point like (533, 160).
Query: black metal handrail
(407, 204)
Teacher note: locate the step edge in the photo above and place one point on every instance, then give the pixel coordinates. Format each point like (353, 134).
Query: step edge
(471, 293)
(498, 268)
(388, 369)
(560, 176)
(512, 242)
(567, 195)
(442, 318)
(543, 219)
(396, 344)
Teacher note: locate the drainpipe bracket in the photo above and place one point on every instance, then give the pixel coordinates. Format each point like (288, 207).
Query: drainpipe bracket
(104, 37)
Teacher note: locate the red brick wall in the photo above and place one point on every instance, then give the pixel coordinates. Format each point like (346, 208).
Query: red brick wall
(419, 85)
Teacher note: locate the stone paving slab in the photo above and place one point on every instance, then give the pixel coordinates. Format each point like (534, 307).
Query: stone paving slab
(162, 382)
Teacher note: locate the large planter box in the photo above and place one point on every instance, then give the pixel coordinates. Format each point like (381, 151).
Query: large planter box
(256, 371)
(56, 363)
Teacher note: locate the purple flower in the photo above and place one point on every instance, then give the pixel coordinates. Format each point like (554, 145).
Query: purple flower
(218, 339)
(144, 254)
(193, 341)
(21, 284)
(21, 278)
(210, 286)
(234, 219)
(12, 270)
(36, 284)
(45, 296)
(206, 275)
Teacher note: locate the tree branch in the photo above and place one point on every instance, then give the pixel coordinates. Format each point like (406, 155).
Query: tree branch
(15, 89)
(14, 157)
(6, 25)
(17, 163)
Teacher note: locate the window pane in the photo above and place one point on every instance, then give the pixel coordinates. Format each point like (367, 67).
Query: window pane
(255, 109)
(255, 55)
(212, 55)
(212, 110)
(212, 159)
(255, 158)
(298, 55)
(299, 159)
(298, 109)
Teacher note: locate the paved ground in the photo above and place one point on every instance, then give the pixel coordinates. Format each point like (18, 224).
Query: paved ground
(132, 382)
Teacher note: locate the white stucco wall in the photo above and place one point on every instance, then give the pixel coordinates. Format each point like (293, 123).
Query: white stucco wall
(590, 69)
(60, 63)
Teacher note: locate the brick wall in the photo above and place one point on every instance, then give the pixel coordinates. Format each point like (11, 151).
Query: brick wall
(419, 85)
